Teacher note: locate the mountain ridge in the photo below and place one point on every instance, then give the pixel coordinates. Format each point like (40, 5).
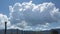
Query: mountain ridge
(17, 31)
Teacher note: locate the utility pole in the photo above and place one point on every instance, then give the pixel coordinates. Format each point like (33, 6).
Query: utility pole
(5, 27)
(17, 31)
(11, 32)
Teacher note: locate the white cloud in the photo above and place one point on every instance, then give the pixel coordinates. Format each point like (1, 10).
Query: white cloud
(33, 15)
(4, 18)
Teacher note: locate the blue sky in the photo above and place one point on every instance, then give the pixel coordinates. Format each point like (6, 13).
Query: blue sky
(4, 4)
(27, 20)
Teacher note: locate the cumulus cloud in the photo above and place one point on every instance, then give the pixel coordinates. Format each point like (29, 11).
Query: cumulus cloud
(27, 15)
(3, 19)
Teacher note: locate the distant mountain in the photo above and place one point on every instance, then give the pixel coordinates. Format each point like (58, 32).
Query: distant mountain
(17, 31)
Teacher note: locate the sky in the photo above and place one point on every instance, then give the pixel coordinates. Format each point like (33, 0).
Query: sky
(33, 15)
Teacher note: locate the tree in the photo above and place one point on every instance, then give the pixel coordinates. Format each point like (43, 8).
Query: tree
(54, 32)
